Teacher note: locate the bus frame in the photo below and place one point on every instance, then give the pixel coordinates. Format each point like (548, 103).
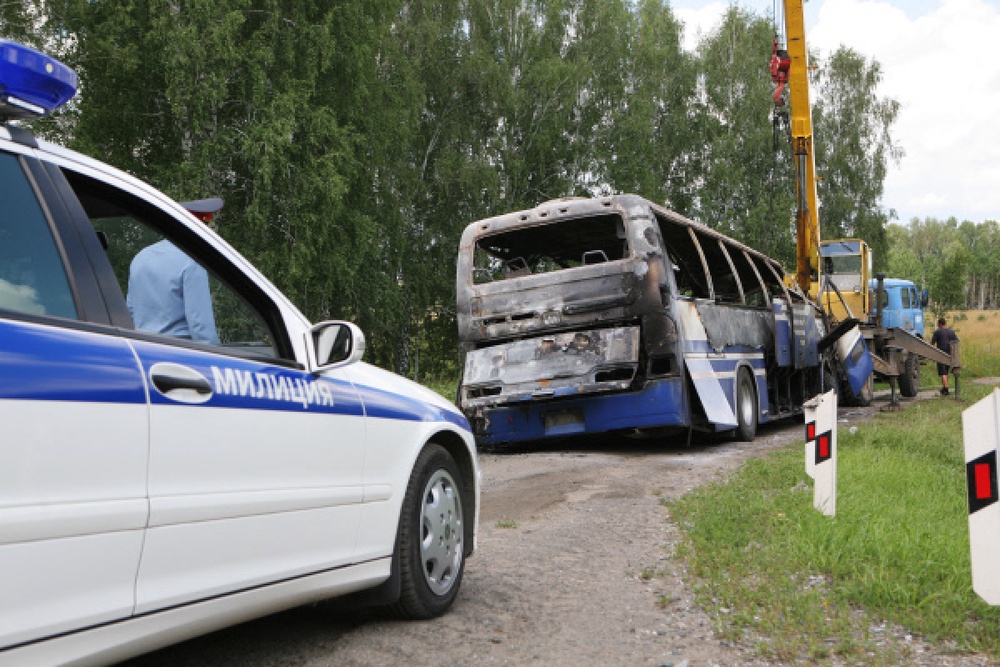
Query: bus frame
(615, 314)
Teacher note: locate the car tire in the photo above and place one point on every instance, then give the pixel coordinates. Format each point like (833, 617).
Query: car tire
(430, 542)
(909, 380)
(746, 407)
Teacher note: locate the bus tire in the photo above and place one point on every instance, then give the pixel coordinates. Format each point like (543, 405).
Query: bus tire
(746, 407)
(909, 380)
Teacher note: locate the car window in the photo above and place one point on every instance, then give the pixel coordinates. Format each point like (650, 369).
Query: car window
(33, 277)
(169, 290)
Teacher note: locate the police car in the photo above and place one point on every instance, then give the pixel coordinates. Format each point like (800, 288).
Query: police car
(154, 486)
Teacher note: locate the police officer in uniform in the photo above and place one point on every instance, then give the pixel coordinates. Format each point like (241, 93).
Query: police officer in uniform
(168, 291)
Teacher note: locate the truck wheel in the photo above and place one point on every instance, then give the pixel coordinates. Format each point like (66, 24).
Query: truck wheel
(867, 393)
(847, 396)
(909, 380)
(430, 544)
(746, 407)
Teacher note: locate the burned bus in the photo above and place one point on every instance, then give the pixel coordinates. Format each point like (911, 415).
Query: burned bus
(615, 314)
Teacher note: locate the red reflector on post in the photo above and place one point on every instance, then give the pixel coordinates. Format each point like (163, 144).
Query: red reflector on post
(811, 431)
(984, 486)
(824, 447)
(981, 477)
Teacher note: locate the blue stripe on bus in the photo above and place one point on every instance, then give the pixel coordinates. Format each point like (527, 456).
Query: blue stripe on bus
(49, 363)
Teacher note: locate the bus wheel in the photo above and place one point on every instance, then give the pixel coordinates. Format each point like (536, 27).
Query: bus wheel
(746, 407)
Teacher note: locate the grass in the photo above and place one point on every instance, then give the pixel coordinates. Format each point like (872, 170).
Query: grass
(977, 331)
(775, 573)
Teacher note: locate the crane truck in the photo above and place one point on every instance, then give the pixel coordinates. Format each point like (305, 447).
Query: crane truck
(837, 272)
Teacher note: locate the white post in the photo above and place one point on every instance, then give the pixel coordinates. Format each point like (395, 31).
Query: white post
(821, 450)
(981, 431)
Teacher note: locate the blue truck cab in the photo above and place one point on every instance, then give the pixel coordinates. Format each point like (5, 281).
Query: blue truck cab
(901, 305)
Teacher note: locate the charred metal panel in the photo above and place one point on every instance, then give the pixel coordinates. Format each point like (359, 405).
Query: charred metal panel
(726, 326)
(661, 334)
(607, 285)
(782, 333)
(808, 333)
(553, 365)
(529, 305)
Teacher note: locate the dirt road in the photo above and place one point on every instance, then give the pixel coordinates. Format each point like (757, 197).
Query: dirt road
(569, 539)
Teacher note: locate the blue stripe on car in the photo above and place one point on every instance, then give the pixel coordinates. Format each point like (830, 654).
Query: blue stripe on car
(246, 384)
(40, 362)
(46, 363)
(382, 404)
(241, 383)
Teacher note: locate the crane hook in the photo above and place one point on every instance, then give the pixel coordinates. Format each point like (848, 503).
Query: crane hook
(780, 63)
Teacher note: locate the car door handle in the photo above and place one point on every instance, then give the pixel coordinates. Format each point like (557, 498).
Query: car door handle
(180, 383)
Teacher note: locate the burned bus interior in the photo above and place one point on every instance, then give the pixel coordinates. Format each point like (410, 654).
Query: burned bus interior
(550, 247)
(707, 267)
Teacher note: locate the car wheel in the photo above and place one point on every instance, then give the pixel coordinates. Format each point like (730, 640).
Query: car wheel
(909, 381)
(746, 407)
(430, 545)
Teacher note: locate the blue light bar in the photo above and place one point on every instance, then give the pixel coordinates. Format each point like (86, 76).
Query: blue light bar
(31, 83)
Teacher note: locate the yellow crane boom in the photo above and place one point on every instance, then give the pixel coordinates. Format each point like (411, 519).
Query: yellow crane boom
(793, 66)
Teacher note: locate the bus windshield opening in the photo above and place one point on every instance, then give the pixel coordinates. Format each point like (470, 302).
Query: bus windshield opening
(550, 247)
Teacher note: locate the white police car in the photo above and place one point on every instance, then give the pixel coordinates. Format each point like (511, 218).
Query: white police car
(153, 487)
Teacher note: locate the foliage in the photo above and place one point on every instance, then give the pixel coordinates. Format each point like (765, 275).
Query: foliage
(748, 188)
(353, 140)
(855, 149)
(957, 262)
(653, 144)
(775, 571)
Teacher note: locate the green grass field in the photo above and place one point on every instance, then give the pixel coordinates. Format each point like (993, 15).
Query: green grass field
(979, 332)
(798, 585)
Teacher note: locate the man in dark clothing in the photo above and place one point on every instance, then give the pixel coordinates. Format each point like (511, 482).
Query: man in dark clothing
(942, 339)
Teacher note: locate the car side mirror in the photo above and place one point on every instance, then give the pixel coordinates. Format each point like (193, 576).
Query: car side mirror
(924, 299)
(334, 343)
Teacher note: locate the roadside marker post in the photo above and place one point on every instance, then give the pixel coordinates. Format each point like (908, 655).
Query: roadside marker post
(981, 432)
(821, 450)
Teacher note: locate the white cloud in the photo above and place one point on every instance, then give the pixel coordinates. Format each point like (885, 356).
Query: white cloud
(21, 298)
(941, 60)
(944, 68)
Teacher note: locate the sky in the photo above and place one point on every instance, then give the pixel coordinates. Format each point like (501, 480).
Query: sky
(941, 60)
